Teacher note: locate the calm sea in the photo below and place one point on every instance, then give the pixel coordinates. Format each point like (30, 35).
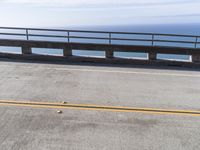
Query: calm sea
(188, 29)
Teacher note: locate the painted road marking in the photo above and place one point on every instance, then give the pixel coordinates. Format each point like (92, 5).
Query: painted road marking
(117, 71)
(129, 72)
(98, 108)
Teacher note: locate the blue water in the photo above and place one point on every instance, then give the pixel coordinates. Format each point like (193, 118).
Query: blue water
(188, 29)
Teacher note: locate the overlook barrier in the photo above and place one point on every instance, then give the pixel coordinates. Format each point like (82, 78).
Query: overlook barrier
(110, 42)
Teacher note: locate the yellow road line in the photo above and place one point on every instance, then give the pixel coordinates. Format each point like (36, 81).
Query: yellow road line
(98, 108)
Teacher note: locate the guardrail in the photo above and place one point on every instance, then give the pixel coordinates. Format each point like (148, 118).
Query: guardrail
(107, 38)
(110, 37)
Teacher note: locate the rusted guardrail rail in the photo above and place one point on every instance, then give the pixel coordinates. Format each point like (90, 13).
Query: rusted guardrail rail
(110, 42)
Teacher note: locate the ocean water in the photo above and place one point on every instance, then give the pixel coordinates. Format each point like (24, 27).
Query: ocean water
(187, 29)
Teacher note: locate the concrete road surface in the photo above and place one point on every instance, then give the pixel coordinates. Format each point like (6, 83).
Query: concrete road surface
(24, 128)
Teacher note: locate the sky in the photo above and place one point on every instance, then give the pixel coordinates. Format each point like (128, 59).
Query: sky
(64, 13)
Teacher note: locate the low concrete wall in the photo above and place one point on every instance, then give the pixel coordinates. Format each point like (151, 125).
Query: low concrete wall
(118, 61)
(108, 48)
(195, 58)
(67, 51)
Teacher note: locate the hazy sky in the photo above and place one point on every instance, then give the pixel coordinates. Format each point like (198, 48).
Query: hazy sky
(62, 13)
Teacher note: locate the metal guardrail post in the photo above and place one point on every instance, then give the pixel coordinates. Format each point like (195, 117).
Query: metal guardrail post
(195, 46)
(67, 51)
(152, 40)
(109, 52)
(152, 55)
(110, 40)
(27, 34)
(68, 36)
